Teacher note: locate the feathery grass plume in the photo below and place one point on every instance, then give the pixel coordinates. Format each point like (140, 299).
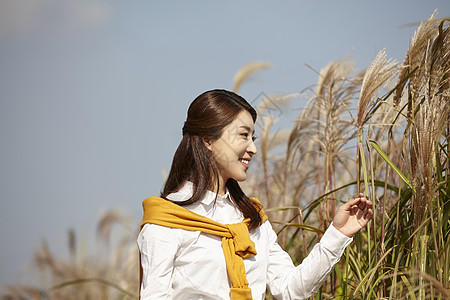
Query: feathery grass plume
(269, 110)
(386, 126)
(246, 72)
(111, 274)
(317, 146)
(425, 135)
(300, 159)
(377, 76)
(107, 220)
(415, 54)
(388, 117)
(426, 76)
(420, 219)
(429, 125)
(326, 124)
(268, 175)
(330, 133)
(431, 115)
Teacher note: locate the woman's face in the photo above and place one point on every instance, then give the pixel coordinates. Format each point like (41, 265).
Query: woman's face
(235, 148)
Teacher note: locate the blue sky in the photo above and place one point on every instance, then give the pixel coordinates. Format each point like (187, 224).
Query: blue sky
(94, 93)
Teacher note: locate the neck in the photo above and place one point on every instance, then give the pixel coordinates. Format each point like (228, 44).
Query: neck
(222, 189)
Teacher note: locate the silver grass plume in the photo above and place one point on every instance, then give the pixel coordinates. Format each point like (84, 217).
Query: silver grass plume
(270, 141)
(429, 124)
(326, 118)
(415, 55)
(324, 128)
(429, 101)
(246, 72)
(377, 76)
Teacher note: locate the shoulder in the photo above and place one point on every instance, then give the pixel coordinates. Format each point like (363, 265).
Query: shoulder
(154, 232)
(153, 199)
(161, 233)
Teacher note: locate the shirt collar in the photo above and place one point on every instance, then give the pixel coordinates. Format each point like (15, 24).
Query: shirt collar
(186, 191)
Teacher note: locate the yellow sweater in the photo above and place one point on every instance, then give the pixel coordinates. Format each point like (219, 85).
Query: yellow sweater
(236, 241)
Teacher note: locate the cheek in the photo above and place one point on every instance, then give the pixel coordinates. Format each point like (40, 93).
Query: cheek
(237, 146)
(222, 160)
(227, 153)
(242, 148)
(221, 155)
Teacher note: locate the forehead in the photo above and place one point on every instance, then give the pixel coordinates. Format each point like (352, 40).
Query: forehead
(243, 119)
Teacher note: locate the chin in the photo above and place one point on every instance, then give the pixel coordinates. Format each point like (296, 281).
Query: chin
(240, 178)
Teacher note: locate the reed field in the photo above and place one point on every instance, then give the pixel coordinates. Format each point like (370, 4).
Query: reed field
(383, 132)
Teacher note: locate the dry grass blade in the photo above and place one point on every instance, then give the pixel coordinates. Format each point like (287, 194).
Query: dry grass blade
(246, 72)
(107, 220)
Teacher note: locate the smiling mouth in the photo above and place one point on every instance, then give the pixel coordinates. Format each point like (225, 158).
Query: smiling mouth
(244, 161)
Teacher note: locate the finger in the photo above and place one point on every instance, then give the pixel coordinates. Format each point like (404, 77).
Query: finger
(350, 203)
(365, 201)
(369, 214)
(354, 210)
(359, 197)
(361, 204)
(360, 213)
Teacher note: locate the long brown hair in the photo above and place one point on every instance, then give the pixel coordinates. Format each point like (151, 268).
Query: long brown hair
(207, 116)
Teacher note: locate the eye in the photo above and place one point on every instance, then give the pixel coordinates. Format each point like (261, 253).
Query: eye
(245, 135)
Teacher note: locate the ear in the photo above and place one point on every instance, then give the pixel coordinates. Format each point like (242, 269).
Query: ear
(208, 143)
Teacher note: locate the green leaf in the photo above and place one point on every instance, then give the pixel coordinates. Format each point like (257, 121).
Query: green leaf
(306, 227)
(390, 163)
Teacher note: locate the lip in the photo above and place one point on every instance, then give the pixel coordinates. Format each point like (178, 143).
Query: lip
(245, 165)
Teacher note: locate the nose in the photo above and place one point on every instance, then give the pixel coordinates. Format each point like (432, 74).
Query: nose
(251, 149)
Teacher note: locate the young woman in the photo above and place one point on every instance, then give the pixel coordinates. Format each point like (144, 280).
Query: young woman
(203, 238)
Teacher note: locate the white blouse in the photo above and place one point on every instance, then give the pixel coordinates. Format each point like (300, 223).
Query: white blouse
(189, 265)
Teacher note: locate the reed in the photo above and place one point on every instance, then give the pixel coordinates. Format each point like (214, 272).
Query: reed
(402, 144)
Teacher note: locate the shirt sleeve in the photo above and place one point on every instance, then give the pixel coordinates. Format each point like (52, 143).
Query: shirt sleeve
(158, 246)
(286, 281)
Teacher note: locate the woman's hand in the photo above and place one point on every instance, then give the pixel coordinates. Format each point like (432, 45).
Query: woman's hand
(353, 215)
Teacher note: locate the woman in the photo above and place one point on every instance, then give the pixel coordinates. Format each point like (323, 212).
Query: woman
(205, 239)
